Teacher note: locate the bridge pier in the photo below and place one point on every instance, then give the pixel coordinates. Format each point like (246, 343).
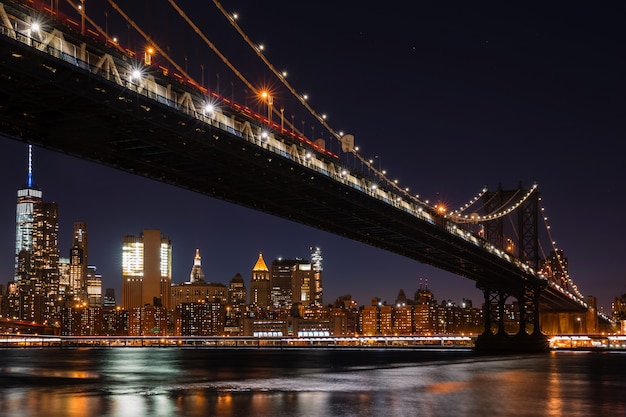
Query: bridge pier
(494, 315)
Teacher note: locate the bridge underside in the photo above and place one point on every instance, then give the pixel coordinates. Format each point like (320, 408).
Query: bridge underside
(55, 105)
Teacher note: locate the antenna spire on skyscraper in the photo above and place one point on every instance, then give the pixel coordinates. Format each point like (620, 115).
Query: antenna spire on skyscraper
(30, 167)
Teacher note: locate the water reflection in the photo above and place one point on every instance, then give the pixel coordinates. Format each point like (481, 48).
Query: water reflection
(169, 382)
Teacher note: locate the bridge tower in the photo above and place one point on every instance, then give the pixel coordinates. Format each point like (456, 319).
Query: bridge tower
(525, 246)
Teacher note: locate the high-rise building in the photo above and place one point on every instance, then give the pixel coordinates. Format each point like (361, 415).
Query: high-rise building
(281, 271)
(316, 275)
(260, 289)
(28, 200)
(237, 291)
(94, 287)
(301, 275)
(79, 264)
(197, 290)
(35, 289)
(146, 270)
(109, 299)
(197, 275)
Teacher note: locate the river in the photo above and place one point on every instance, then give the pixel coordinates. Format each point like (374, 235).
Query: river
(309, 382)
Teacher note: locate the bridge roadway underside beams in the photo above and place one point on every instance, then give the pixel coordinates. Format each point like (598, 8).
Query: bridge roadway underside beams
(58, 106)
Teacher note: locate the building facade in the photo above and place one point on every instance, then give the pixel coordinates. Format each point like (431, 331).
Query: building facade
(146, 270)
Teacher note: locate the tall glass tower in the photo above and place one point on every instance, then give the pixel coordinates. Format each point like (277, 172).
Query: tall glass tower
(28, 200)
(36, 282)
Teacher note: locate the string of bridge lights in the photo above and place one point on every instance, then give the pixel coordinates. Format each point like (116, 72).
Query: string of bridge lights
(470, 203)
(498, 213)
(558, 255)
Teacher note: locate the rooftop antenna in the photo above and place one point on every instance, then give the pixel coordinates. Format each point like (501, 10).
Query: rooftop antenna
(30, 166)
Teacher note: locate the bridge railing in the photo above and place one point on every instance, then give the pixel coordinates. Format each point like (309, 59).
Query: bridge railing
(165, 90)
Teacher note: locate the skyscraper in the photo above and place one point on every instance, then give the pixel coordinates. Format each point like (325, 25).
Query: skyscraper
(281, 271)
(28, 200)
(316, 275)
(79, 264)
(34, 291)
(197, 275)
(260, 289)
(93, 286)
(146, 270)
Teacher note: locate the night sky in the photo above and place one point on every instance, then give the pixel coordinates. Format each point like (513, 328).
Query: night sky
(447, 97)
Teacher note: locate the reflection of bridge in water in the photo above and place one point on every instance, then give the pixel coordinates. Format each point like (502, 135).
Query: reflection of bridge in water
(84, 96)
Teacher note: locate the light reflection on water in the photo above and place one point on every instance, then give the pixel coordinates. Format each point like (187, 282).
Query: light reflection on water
(177, 382)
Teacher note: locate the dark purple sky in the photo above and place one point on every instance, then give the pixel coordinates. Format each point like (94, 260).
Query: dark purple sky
(449, 98)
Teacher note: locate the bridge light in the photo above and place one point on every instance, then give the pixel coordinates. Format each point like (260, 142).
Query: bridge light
(147, 56)
(235, 16)
(136, 74)
(284, 74)
(305, 96)
(35, 26)
(208, 109)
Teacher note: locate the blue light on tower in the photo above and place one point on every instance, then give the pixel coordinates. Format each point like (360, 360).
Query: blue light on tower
(30, 166)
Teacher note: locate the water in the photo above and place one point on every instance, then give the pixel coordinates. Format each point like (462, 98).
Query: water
(315, 382)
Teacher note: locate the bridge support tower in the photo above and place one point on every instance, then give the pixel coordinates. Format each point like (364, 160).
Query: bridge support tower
(528, 336)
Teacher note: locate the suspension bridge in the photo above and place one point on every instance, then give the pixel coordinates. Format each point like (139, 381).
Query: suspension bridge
(67, 86)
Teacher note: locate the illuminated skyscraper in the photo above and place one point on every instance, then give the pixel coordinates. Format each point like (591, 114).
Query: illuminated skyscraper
(197, 275)
(146, 270)
(28, 200)
(281, 272)
(36, 280)
(78, 264)
(93, 287)
(316, 275)
(260, 289)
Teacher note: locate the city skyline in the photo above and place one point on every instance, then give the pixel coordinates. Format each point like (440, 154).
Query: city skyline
(185, 260)
(454, 100)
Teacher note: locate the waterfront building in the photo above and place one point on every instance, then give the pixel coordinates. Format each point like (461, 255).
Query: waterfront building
(316, 276)
(200, 319)
(93, 287)
(424, 310)
(237, 291)
(109, 302)
(64, 278)
(402, 319)
(115, 321)
(301, 278)
(281, 271)
(81, 320)
(33, 293)
(260, 290)
(197, 290)
(188, 292)
(146, 270)
(150, 320)
(79, 264)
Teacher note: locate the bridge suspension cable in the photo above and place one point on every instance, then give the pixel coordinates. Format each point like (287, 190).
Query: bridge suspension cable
(557, 255)
(320, 118)
(499, 212)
